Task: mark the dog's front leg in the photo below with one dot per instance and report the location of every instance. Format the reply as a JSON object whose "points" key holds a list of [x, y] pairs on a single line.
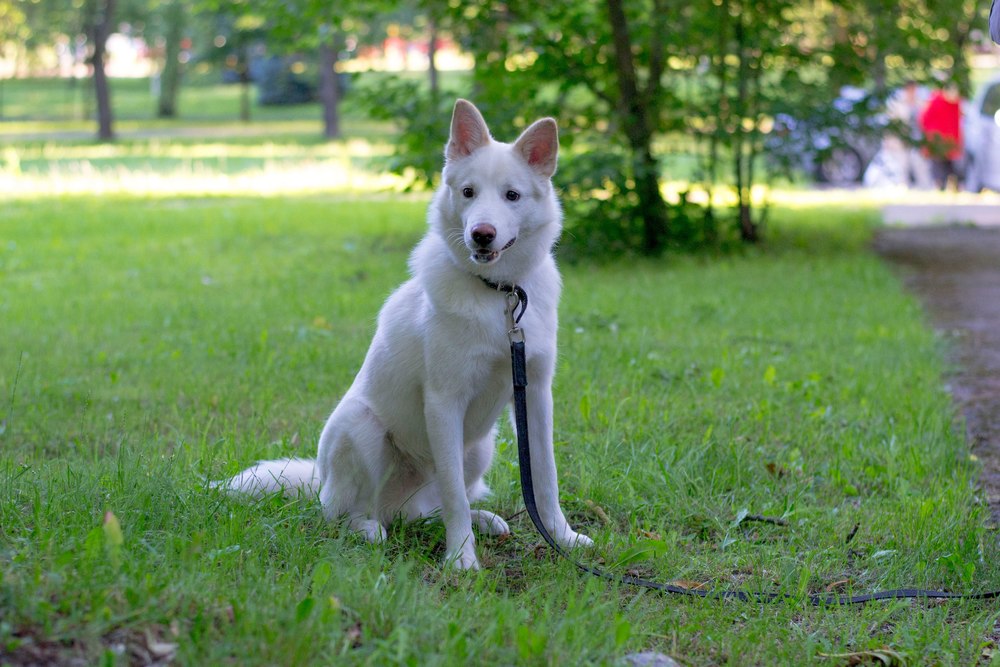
{"points": [[543, 462], [444, 429]]}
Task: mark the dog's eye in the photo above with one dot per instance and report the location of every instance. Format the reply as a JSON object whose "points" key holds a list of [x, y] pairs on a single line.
{"points": [[512, 195], [468, 193]]}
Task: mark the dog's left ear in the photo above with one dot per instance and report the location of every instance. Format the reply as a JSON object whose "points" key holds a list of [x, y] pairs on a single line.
{"points": [[539, 146]]}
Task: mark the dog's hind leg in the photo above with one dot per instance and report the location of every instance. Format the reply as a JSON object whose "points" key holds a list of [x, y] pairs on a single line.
{"points": [[367, 527], [352, 465], [426, 502], [489, 523]]}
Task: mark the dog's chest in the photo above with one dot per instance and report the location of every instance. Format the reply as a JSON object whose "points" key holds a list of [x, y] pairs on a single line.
{"points": [[479, 370], [491, 390]]}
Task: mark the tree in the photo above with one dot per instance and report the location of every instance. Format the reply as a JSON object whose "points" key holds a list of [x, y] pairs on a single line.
{"points": [[329, 90], [600, 70], [320, 26], [752, 69], [921, 39], [241, 25], [172, 19], [13, 27], [94, 20], [632, 81], [433, 22], [637, 110], [98, 18]]}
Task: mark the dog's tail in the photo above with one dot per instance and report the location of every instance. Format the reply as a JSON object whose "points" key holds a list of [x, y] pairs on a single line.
{"points": [[287, 476]]}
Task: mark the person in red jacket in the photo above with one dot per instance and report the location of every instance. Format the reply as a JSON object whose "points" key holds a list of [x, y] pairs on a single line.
{"points": [[941, 122]]}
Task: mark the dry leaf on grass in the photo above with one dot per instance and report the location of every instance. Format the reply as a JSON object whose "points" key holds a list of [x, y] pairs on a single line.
{"points": [[599, 511], [837, 584]]}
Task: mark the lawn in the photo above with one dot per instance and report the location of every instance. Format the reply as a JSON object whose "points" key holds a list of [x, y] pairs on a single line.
{"points": [[48, 148], [203, 97], [162, 333], [148, 344]]}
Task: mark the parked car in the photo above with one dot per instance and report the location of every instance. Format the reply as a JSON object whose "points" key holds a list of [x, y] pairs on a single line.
{"points": [[982, 139], [833, 146]]}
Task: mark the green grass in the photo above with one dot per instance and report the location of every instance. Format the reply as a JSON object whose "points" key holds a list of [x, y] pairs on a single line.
{"points": [[47, 146], [202, 98], [147, 345], [207, 150]]}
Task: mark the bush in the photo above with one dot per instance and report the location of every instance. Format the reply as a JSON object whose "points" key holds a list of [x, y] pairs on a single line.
{"points": [[601, 208], [278, 85]]}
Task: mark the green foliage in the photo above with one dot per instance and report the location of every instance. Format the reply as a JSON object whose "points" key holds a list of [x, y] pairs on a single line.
{"points": [[600, 211], [707, 76], [13, 22], [423, 120], [920, 39], [711, 76]]}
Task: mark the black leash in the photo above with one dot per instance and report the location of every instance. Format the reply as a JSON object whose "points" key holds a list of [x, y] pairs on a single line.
{"points": [[517, 302]]}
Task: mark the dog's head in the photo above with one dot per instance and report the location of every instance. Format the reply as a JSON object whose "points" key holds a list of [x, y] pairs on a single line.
{"points": [[497, 196]]}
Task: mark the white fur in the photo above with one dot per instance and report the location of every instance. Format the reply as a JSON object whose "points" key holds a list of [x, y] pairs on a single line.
{"points": [[414, 434], [273, 477]]}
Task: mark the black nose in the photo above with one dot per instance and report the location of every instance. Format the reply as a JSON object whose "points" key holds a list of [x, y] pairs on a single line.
{"points": [[483, 234]]}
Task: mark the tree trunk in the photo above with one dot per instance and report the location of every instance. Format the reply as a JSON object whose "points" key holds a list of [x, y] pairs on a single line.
{"points": [[170, 77], [432, 71], [635, 121], [100, 29], [243, 70], [329, 93], [748, 228], [655, 216], [742, 157]]}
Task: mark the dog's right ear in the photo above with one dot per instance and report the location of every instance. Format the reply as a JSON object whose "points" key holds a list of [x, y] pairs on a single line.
{"points": [[468, 131]]}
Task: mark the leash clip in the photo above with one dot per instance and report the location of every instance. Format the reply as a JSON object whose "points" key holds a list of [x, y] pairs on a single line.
{"points": [[517, 303], [515, 334]]}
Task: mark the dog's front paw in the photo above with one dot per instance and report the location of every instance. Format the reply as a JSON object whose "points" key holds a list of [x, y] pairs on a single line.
{"points": [[464, 559], [570, 539]]}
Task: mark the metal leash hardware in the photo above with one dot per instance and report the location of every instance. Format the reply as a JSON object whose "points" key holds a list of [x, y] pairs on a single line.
{"points": [[515, 334], [516, 296], [517, 300]]}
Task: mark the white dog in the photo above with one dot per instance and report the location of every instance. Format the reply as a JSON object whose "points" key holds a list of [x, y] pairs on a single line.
{"points": [[414, 434]]}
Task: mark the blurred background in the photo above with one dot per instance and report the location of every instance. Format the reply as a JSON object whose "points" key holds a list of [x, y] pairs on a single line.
{"points": [[680, 121]]}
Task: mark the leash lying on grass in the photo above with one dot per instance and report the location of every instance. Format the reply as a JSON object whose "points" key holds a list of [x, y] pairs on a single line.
{"points": [[517, 302]]}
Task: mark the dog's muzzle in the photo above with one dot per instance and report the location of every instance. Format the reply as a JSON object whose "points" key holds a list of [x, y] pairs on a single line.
{"points": [[487, 256]]}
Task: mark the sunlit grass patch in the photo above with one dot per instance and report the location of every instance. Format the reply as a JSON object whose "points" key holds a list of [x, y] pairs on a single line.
{"points": [[156, 167], [198, 178]]}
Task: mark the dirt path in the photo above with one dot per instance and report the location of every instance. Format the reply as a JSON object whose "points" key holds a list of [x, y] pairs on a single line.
{"points": [[956, 273]]}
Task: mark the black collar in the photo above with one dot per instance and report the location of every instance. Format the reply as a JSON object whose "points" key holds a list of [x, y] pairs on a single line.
{"points": [[510, 288]]}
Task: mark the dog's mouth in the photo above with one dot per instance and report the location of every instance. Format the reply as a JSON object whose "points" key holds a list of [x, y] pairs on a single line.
{"points": [[487, 256]]}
